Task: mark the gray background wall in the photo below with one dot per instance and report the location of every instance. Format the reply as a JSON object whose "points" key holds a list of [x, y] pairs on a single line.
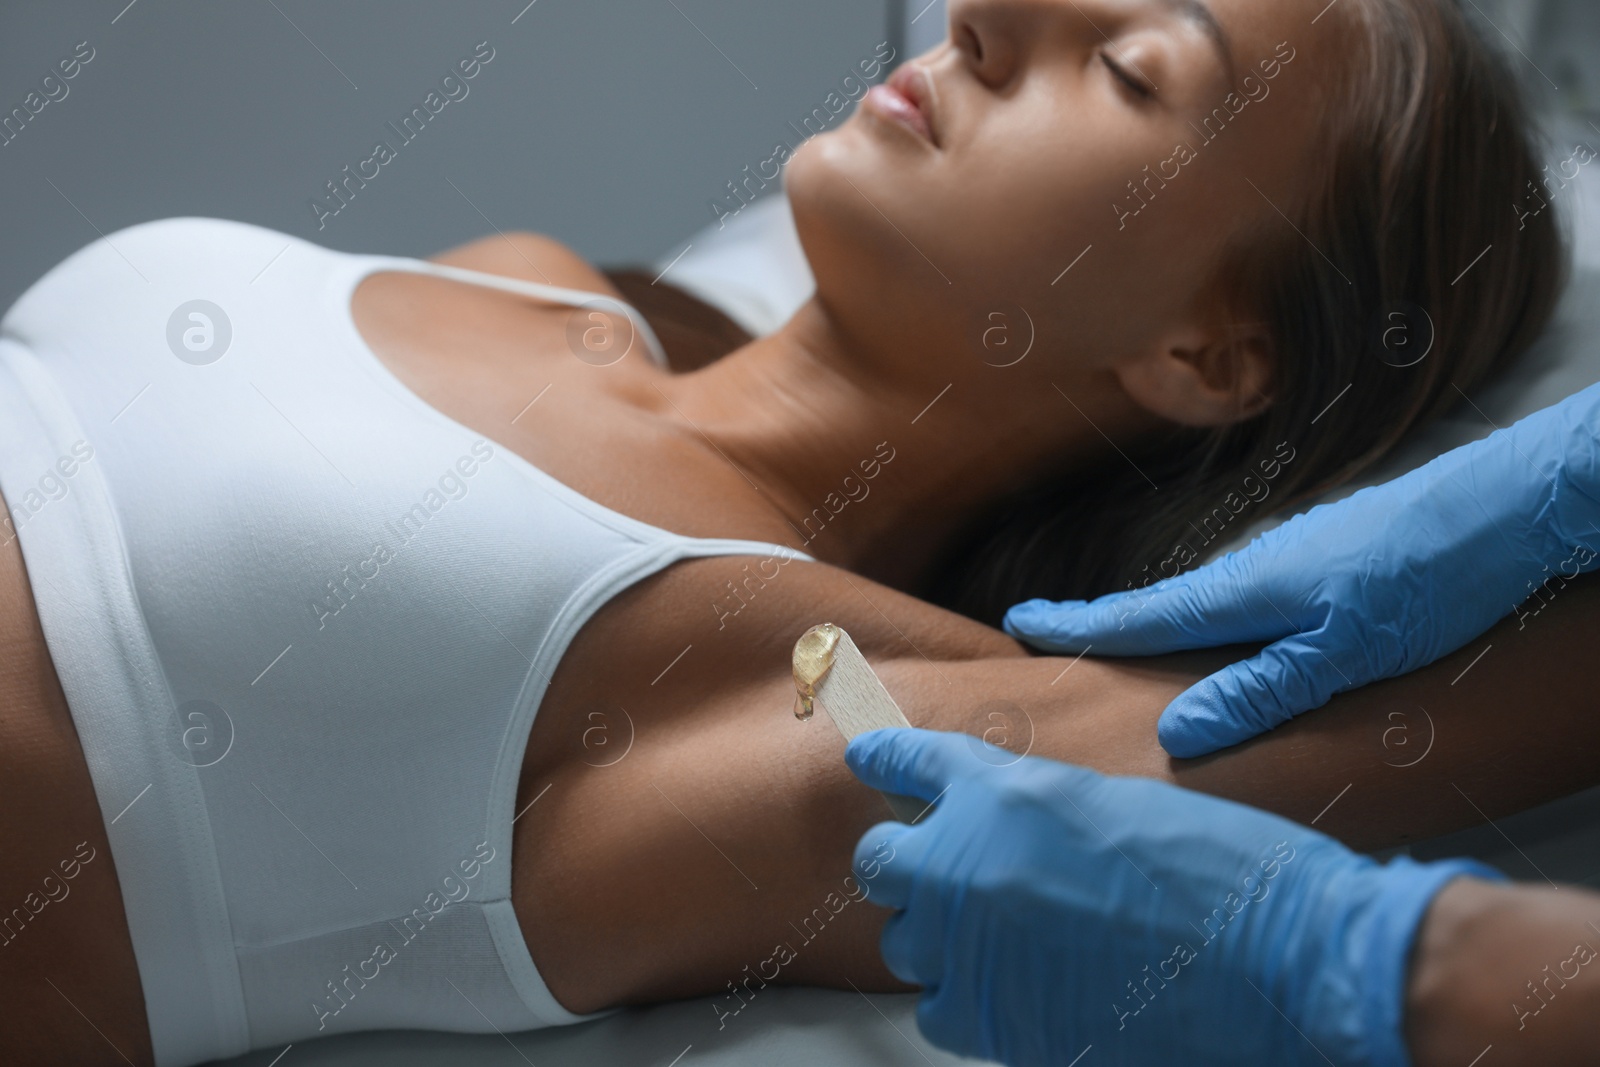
{"points": [[607, 123]]}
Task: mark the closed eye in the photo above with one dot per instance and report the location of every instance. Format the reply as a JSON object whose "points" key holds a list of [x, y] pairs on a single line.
{"points": [[1135, 85]]}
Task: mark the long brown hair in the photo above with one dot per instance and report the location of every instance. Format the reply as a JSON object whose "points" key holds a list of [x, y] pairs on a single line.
{"points": [[1424, 229]]}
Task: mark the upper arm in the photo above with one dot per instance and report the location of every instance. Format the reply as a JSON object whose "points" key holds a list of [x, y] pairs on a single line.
{"points": [[1449, 746], [531, 257], [1445, 747], [1452, 745]]}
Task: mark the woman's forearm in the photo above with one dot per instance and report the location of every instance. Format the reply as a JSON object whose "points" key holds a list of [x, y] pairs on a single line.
{"points": [[1515, 968]]}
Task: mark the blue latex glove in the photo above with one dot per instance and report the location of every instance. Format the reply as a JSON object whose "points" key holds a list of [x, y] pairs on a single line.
{"points": [[1045, 908], [1376, 585]]}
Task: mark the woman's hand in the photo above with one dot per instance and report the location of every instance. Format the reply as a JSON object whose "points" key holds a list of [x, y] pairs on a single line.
{"points": [[1046, 909], [1374, 586]]}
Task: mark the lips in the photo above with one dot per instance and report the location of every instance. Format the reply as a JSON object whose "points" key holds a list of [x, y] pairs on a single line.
{"points": [[907, 98]]}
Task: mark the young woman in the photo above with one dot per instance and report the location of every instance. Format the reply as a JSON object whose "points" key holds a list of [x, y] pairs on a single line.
{"points": [[304, 540]]}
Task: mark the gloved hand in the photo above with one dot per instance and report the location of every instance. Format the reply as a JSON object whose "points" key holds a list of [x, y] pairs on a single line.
{"points": [[1046, 908], [1376, 585]]}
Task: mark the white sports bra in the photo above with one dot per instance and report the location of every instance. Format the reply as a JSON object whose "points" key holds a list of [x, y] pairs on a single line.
{"points": [[303, 621]]}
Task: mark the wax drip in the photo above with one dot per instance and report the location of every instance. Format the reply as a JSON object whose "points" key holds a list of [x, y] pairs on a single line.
{"points": [[813, 659]]}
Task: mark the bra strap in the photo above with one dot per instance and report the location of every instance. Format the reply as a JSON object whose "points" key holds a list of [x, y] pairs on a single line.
{"points": [[554, 294]]}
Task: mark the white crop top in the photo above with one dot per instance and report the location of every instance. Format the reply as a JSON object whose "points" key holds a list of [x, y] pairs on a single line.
{"points": [[303, 621]]}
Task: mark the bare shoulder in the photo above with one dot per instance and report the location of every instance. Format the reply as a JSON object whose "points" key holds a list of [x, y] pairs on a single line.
{"points": [[532, 257]]}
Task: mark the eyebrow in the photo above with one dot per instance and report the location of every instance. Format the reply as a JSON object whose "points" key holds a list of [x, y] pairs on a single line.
{"points": [[1198, 12]]}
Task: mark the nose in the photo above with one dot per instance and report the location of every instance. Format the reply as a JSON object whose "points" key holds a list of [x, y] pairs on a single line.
{"points": [[986, 34], [999, 38]]}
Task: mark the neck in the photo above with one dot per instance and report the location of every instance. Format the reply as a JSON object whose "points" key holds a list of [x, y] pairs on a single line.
{"points": [[875, 465]]}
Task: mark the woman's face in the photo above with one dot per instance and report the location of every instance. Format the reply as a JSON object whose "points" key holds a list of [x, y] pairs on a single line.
{"points": [[1085, 160]]}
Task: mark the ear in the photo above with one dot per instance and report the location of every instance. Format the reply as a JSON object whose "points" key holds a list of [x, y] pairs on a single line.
{"points": [[1204, 376]]}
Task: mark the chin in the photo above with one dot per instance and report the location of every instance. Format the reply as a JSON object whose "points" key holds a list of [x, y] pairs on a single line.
{"points": [[817, 165], [876, 155], [839, 182]]}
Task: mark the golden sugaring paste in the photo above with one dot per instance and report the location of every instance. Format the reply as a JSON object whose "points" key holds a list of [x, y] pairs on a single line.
{"points": [[813, 659]]}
